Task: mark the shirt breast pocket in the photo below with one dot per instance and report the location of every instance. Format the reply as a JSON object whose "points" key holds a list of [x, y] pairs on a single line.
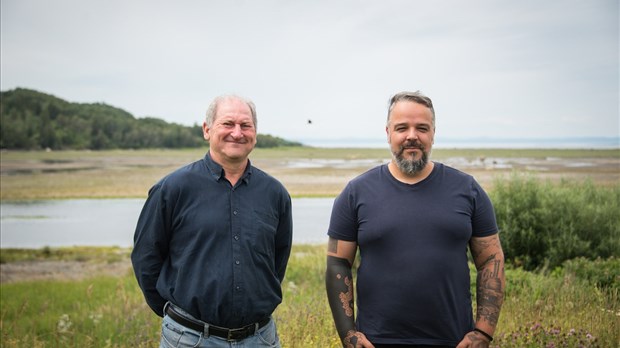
{"points": [[265, 223]]}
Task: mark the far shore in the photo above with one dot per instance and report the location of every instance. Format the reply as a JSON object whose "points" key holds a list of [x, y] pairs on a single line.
{"points": [[305, 171]]}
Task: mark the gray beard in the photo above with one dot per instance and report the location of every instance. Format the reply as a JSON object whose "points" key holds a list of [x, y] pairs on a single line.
{"points": [[410, 167]]}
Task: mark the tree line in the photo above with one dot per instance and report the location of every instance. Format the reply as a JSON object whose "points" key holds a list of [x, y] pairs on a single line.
{"points": [[31, 120]]}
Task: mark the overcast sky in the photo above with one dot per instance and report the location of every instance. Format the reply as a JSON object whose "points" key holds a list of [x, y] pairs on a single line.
{"points": [[499, 69]]}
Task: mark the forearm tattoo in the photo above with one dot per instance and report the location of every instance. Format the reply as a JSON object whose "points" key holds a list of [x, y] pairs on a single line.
{"points": [[339, 286], [347, 298], [490, 284], [490, 294]]}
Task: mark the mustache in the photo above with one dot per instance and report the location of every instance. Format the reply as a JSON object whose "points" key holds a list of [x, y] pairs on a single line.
{"points": [[412, 145]]}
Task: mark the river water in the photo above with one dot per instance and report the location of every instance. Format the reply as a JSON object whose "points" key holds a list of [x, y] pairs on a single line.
{"points": [[111, 222]]}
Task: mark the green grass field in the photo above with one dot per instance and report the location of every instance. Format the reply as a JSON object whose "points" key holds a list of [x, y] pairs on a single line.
{"points": [[541, 308]]}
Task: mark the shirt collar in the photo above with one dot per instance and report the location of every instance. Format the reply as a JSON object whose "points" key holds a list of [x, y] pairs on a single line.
{"points": [[217, 172]]}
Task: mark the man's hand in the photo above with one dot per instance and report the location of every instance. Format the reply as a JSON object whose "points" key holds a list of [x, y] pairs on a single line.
{"points": [[474, 340], [356, 339]]}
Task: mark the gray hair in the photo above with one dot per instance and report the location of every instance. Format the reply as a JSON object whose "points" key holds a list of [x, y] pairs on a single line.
{"points": [[416, 97], [212, 110]]}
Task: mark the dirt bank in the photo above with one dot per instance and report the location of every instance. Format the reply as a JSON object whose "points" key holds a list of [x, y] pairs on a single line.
{"points": [[60, 270]]}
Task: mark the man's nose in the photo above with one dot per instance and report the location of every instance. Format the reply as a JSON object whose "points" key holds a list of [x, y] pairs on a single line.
{"points": [[412, 134], [236, 132]]}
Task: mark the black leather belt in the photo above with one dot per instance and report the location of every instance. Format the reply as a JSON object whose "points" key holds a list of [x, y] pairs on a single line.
{"points": [[209, 330]]}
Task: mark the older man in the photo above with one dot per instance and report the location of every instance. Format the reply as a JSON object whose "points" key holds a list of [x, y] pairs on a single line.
{"points": [[213, 240]]}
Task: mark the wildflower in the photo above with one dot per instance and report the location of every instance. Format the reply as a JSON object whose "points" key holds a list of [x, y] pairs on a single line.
{"points": [[95, 317], [64, 324]]}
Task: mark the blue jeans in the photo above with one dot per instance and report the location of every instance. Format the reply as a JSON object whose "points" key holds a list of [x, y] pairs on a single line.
{"points": [[175, 335]]}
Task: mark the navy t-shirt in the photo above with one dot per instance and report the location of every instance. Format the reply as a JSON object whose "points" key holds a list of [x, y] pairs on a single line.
{"points": [[413, 283]]}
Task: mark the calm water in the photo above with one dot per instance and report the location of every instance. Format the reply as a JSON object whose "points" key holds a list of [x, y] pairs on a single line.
{"points": [[111, 222]]}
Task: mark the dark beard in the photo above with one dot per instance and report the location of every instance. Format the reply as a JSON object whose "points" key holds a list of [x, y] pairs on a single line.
{"points": [[410, 167]]}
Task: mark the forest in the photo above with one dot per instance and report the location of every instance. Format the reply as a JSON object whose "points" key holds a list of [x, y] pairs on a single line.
{"points": [[31, 120]]}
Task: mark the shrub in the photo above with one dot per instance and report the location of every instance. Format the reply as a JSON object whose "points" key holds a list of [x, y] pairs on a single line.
{"points": [[545, 224], [599, 272]]}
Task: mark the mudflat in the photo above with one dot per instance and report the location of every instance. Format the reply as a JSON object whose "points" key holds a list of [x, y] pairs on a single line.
{"points": [[305, 171]]}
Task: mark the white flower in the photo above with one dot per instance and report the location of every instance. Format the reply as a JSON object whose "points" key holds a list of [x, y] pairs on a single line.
{"points": [[64, 324]]}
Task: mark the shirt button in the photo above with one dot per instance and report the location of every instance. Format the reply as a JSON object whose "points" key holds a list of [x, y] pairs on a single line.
{"points": [[237, 288], [236, 237], [237, 262], [235, 212]]}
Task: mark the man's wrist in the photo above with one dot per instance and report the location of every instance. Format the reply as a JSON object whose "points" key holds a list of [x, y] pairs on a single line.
{"points": [[483, 333]]}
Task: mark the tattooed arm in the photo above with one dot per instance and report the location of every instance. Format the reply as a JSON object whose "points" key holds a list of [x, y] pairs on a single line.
{"points": [[490, 284], [339, 286]]}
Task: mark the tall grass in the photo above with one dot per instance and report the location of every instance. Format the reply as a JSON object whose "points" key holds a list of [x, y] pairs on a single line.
{"points": [[542, 309], [100, 312], [557, 309]]}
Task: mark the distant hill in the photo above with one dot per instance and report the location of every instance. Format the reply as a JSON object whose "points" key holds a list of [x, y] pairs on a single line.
{"points": [[31, 120]]}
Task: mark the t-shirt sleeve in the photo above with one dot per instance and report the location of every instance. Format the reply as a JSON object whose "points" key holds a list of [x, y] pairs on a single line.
{"points": [[484, 223], [343, 222]]}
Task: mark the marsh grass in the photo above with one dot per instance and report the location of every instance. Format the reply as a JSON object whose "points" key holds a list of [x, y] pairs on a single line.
{"points": [[82, 253], [542, 309]]}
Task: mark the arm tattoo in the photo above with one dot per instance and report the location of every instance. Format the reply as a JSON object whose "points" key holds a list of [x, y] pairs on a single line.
{"points": [[332, 245], [489, 259], [476, 341], [347, 298], [339, 286], [350, 341], [478, 246], [490, 289]]}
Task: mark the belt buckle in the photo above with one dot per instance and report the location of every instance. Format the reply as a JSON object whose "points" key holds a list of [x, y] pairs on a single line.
{"points": [[235, 334]]}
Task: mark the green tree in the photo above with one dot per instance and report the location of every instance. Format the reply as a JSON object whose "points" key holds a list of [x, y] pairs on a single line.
{"points": [[33, 120]]}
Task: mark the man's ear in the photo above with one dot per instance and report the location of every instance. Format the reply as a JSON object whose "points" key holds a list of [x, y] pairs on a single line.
{"points": [[205, 131]]}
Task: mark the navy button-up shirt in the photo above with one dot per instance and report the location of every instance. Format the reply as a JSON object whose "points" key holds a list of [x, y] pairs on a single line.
{"points": [[217, 251]]}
